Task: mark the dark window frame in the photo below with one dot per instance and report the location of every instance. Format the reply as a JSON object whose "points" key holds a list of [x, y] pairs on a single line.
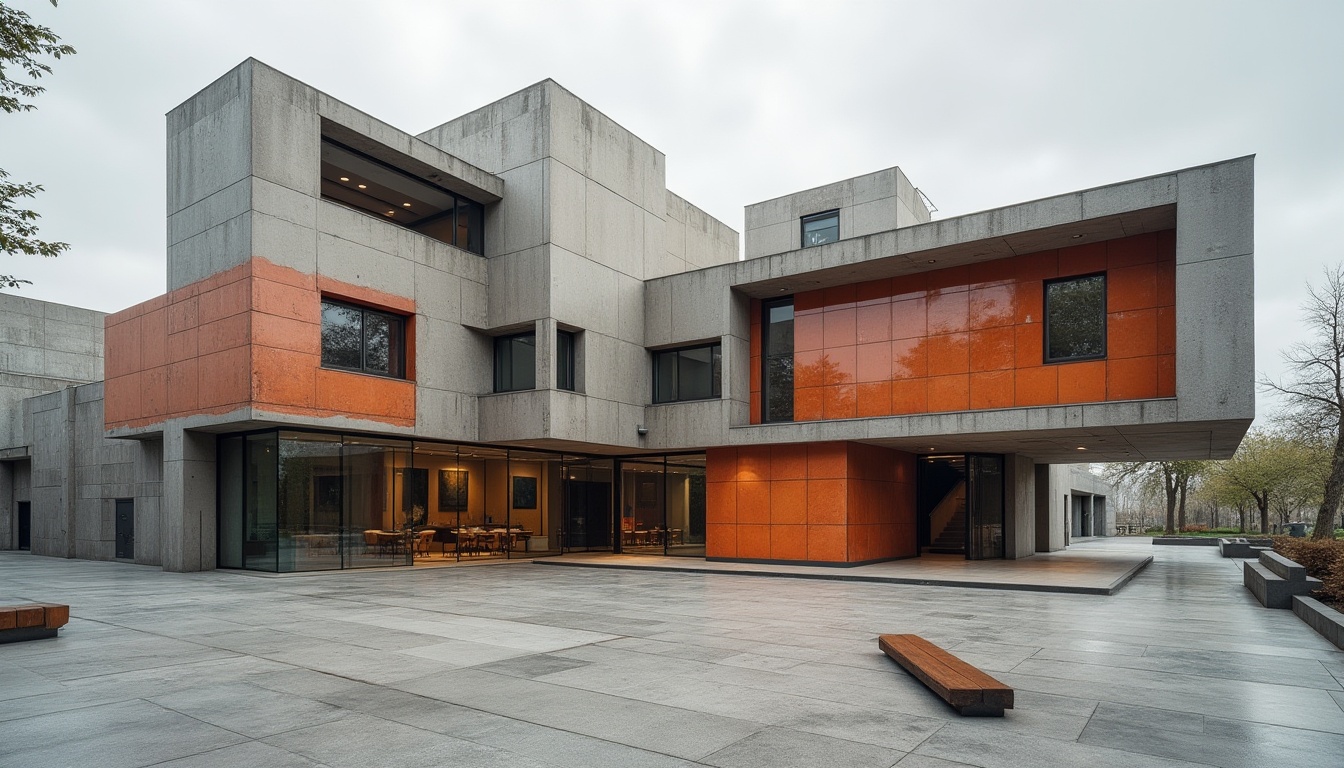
{"points": [[1045, 319], [766, 357], [565, 359], [813, 217], [500, 386], [716, 385], [400, 340]]}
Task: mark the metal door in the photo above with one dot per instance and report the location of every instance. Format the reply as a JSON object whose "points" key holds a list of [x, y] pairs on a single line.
{"points": [[25, 525], [125, 545]]}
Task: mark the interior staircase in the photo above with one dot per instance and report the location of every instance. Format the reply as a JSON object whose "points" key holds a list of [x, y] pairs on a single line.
{"points": [[947, 524]]}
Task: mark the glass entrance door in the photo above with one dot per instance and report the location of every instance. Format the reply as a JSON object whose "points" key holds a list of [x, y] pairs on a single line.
{"points": [[985, 510], [587, 519]]}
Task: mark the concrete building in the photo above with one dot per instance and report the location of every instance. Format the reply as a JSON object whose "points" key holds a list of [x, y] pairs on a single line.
{"points": [[506, 337]]}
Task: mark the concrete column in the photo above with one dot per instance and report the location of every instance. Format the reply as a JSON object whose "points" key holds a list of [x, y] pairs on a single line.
{"points": [[187, 536], [1019, 506], [546, 330], [9, 521], [148, 478]]}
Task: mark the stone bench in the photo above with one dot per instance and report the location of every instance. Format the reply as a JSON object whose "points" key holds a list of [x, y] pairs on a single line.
{"points": [[33, 621], [1243, 548], [968, 690], [1275, 579]]}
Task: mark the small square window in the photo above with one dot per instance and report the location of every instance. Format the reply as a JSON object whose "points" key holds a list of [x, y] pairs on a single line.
{"points": [[1075, 319], [821, 228]]}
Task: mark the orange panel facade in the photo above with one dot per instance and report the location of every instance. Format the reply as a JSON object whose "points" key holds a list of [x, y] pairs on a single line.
{"points": [[972, 338], [247, 337], [833, 502]]}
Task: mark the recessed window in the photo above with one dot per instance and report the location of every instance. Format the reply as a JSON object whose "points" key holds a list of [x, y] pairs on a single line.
{"points": [[355, 179], [564, 360], [364, 340], [1075, 319], [777, 360], [821, 228], [516, 362], [689, 373]]}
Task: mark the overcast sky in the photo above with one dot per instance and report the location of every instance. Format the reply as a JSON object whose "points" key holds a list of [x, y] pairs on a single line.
{"points": [[982, 104]]}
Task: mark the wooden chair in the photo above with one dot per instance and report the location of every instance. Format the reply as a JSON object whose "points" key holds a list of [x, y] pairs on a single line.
{"points": [[422, 540]]}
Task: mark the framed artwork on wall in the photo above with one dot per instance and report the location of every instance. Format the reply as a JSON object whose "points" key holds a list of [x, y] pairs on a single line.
{"points": [[453, 490], [524, 492]]}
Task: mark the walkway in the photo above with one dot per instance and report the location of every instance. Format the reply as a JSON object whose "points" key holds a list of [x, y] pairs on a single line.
{"points": [[1088, 568], [526, 665]]}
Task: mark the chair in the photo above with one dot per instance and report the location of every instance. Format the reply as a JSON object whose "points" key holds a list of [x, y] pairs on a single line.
{"points": [[370, 541], [422, 540]]}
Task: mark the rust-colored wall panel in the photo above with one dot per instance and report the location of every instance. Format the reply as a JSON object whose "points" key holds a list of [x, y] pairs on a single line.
{"points": [[820, 502], [249, 336], [933, 337]]}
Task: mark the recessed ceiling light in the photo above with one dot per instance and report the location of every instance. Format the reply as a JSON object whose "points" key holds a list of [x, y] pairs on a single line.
{"points": [[933, 261], [1081, 448], [345, 178], [405, 205], [1075, 237], [389, 213], [363, 186]]}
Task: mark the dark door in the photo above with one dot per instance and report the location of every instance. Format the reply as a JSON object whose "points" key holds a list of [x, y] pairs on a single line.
{"points": [[125, 547], [587, 514], [985, 510], [25, 525]]}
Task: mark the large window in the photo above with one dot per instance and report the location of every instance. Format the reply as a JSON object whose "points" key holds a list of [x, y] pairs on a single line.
{"points": [[355, 179], [777, 361], [516, 362], [821, 228], [1075, 319], [689, 373], [564, 360], [363, 340]]}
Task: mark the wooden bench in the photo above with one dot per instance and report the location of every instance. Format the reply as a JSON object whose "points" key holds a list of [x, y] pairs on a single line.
{"points": [[33, 621], [971, 692]]}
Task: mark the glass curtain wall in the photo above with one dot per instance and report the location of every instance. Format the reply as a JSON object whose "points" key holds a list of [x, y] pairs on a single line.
{"points": [[295, 500], [986, 507]]}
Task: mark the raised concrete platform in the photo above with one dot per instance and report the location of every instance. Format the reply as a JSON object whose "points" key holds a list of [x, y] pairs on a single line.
{"points": [[1084, 569]]}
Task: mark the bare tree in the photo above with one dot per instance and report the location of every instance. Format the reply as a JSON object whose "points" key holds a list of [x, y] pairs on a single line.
{"points": [[1173, 477], [1314, 388]]}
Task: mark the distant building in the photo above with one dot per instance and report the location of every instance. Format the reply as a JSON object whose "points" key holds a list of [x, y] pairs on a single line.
{"points": [[506, 337]]}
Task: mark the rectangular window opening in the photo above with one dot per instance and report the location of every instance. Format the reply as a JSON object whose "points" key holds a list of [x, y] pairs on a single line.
{"points": [[1075, 319], [516, 362], [821, 228], [777, 360], [564, 360], [373, 186], [363, 340], [688, 373]]}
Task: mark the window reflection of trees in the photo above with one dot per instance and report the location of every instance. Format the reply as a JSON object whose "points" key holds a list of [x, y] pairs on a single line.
{"points": [[1076, 318]]}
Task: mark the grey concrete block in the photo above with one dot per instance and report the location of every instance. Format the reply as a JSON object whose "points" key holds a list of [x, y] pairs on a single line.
{"points": [[1272, 590]]}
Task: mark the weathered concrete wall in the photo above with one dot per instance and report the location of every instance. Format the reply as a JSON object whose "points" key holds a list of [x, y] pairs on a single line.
{"points": [[77, 475], [43, 347], [868, 204]]}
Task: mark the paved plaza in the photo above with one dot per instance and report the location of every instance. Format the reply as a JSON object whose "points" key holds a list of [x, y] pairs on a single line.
{"points": [[522, 665]]}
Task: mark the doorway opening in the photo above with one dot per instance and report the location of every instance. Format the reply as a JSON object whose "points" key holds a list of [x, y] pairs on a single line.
{"points": [[25, 525], [960, 505]]}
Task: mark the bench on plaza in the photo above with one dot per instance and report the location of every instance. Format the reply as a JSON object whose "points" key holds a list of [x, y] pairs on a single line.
{"points": [[968, 690], [32, 621], [1275, 579]]}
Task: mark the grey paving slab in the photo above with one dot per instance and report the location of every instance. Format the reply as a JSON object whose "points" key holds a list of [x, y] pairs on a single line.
{"points": [[777, 748], [528, 665], [122, 734]]}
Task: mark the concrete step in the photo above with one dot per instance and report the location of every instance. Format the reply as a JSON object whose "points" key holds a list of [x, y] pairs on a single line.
{"points": [[1283, 567], [1272, 590]]}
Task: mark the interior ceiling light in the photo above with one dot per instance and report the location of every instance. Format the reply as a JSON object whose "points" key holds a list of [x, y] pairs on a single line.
{"points": [[933, 261], [405, 205], [363, 186], [1081, 448], [1075, 237], [389, 213], [345, 178]]}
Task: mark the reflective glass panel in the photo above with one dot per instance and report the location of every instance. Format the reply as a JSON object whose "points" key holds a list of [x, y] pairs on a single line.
{"points": [[1075, 318]]}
